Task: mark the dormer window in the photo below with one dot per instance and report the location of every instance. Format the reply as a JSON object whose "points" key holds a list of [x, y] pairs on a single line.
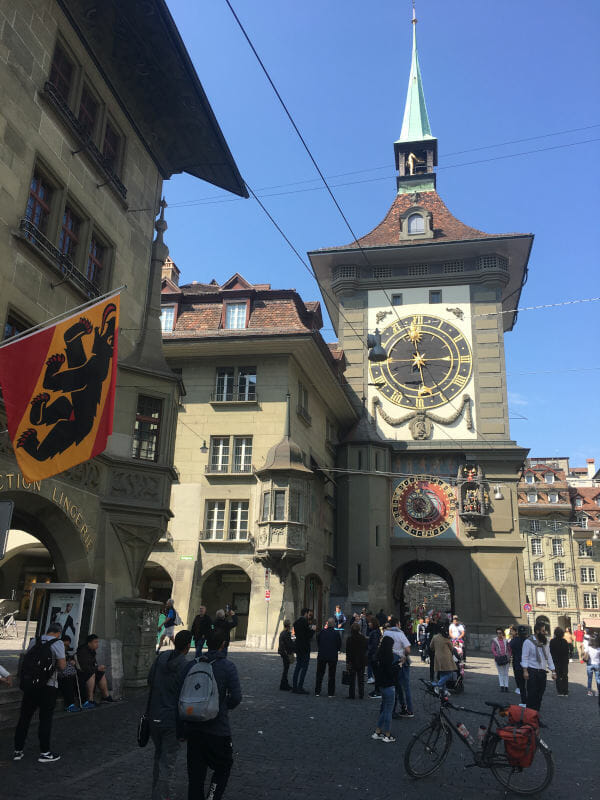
{"points": [[549, 477], [578, 502], [236, 315], [167, 318], [529, 478], [415, 224]]}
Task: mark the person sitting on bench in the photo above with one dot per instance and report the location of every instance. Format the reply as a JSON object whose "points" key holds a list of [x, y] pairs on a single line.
{"points": [[91, 674]]}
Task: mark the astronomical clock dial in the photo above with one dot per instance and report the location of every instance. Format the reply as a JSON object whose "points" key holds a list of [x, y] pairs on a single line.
{"points": [[429, 362], [423, 507]]}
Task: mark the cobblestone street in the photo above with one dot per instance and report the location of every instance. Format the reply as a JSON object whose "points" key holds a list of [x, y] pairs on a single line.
{"points": [[294, 747]]}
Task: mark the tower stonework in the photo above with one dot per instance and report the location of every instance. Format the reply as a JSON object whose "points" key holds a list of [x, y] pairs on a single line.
{"points": [[431, 476]]}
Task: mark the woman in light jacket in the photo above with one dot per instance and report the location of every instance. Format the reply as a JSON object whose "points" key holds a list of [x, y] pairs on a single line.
{"points": [[501, 652]]}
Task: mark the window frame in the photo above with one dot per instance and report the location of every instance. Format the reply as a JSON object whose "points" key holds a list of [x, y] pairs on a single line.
{"points": [[211, 529], [553, 497], [530, 495], [139, 417], [558, 547], [243, 464], [560, 572], [237, 302], [562, 598], [529, 478], [538, 571], [398, 299], [219, 457], [590, 600], [239, 520], [534, 548], [551, 476], [433, 293], [73, 78], [171, 307], [19, 319], [422, 228], [539, 592], [535, 526]]}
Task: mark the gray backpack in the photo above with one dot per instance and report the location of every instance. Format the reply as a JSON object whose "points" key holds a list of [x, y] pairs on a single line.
{"points": [[199, 696]]}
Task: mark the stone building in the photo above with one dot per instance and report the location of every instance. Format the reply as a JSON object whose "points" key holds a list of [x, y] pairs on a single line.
{"points": [[83, 155], [560, 523], [431, 473], [254, 501]]}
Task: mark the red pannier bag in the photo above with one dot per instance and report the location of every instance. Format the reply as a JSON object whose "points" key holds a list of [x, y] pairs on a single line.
{"points": [[520, 735]]}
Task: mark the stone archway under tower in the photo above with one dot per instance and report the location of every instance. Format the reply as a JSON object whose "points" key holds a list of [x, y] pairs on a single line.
{"points": [[228, 585], [411, 569]]}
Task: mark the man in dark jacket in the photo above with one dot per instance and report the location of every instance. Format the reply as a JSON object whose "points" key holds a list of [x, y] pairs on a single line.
{"points": [[91, 674], [165, 680], [225, 622], [329, 644], [304, 631], [209, 743], [201, 627], [516, 648]]}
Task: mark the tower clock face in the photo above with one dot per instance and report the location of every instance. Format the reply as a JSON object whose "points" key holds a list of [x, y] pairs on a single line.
{"points": [[429, 362], [423, 507]]}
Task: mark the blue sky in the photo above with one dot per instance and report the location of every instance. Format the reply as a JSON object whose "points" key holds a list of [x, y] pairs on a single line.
{"points": [[493, 72]]}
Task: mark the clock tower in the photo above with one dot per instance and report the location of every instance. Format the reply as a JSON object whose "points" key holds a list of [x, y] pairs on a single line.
{"points": [[420, 306]]}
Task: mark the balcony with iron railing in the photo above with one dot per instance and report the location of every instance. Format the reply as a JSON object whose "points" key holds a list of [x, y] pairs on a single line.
{"points": [[87, 145], [233, 397], [54, 258]]}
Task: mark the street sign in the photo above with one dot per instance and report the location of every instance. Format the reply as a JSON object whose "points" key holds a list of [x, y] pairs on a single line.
{"points": [[267, 594], [6, 512], [526, 606]]}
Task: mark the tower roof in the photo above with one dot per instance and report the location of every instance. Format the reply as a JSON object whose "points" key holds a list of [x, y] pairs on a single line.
{"points": [[415, 124]]}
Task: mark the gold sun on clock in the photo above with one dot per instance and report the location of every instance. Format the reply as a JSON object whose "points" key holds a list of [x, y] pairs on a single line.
{"points": [[429, 362]]}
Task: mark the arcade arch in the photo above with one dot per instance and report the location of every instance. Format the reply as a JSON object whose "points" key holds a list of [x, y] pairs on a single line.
{"points": [[227, 585], [156, 583], [417, 580]]}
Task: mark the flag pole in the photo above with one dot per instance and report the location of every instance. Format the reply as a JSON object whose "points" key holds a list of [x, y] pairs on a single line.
{"points": [[64, 315]]}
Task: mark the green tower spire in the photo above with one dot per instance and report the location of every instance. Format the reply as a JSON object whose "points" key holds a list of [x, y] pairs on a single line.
{"points": [[415, 125], [416, 149]]}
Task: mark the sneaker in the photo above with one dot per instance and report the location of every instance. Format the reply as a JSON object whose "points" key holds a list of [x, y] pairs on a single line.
{"points": [[108, 699], [18, 755], [517, 691], [406, 714], [46, 758], [371, 680], [374, 696], [388, 739], [377, 735], [397, 715], [89, 704], [317, 694], [590, 693], [73, 709]]}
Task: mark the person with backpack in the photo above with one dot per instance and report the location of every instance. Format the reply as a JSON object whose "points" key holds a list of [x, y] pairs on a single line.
{"points": [[168, 626], [203, 722], [41, 663], [165, 680], [536, 660]]}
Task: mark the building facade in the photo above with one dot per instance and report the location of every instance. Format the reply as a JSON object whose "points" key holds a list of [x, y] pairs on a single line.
{"points": [[255, 499], [431, 471], [560, 523], [82, 162]]}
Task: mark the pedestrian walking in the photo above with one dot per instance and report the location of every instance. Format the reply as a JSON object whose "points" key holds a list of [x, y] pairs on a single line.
{"points": [[401, 650], [201, 627], [569, 640], [421, 636], [592, 659], [372, 645], [304, 630], [441, 655], [516, 648], [168, 626], [209, 743], [42, 662], [559, 650], [385, 675], [579, 636], [286, 651], [329, 644], [356, 661], [502, 653], [432, 629], [536, 661], [165, 680]]}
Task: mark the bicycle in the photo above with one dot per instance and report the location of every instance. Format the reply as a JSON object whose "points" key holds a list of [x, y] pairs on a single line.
{"points": [[429, 747]]}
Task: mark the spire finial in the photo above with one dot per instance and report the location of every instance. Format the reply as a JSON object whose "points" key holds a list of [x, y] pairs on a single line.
{"points": [[415, 124], [414, 19]]}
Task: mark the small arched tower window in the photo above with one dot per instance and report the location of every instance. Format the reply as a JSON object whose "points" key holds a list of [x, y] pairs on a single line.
{"points": [[416, 224]]}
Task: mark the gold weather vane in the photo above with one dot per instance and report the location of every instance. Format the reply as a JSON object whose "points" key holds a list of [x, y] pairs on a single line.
{"points": [[414, 19]]}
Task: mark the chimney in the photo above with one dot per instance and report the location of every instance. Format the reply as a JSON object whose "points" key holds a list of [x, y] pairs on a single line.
{"points": [[170, 271], [591, 467]]}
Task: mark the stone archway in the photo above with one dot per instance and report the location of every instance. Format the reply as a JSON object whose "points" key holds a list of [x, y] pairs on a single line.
{"points": [[228, 585], [427, 568], [38, 516], [156, 583]]}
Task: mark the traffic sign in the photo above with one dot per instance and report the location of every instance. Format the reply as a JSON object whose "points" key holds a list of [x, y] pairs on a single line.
{"points": [[526, 606], [267, 594]]}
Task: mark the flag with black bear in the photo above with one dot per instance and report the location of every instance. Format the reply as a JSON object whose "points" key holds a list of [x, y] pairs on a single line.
{"points": [[58, 385]]}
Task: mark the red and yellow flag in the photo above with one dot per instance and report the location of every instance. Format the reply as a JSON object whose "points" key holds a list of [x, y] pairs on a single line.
{"points": [[58, 385]]}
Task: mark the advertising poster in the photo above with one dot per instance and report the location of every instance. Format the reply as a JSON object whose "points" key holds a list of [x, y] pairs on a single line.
{"points": [[64, 608]]}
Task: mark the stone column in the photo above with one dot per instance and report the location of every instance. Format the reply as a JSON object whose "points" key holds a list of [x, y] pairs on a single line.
{"points": [[137, 622]]}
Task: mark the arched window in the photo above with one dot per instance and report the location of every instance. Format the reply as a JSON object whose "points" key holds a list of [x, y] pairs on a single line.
{"points": [[416, 224]]}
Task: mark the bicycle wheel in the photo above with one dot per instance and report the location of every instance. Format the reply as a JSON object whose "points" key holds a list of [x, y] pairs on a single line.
{"points": [[427, 749], [522, 780]]}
